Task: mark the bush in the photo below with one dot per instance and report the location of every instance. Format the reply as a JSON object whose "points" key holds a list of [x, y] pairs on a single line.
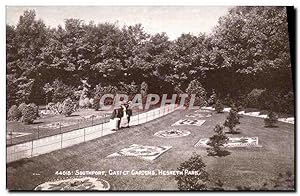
{"points": [[219, 107], [68, 107], [271, 119], [14, 113], [36, 108], [192, 182], [216, 142], [212, 99], [87, 103], [232, 120], [195, 87], [59, 91], [252, 99], [22, 106], [97, 103], [28, 114], [92, 102]]}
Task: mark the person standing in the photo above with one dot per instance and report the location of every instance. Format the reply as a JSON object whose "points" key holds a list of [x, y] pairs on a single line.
{"points": [[116, 116]]}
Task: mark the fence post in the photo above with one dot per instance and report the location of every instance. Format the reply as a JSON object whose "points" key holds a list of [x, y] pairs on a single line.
{"points": [[138, 115], [102, 125], [146, 116], [11, 137], [84, 134], [38, 131], [31, 147], [60, 127], [92, 120]]}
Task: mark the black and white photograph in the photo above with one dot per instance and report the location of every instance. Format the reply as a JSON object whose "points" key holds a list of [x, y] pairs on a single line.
{"points": [[150, 98]]}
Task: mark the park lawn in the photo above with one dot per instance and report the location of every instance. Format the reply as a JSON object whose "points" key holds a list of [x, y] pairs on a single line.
{"points": [[77, 120], [39, 128], [244, 166]]}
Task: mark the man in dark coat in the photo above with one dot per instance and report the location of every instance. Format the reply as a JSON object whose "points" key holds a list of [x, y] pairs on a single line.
{"points": [[117, 113]]}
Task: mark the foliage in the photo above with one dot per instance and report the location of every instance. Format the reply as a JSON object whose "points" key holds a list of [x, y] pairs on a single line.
{"points": [[59, 91], [192, 182], [271, 119], [248, 49], [55, 108], [28, 114], [22, 106], [14, 113], [232, 120], [68, 107], [195, 87], [216, 142], [35, 108], [219, 107], [213, 98], [252, 99], [97, 102]]}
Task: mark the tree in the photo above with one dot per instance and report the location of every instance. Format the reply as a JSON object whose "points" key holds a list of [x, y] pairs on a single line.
{"points": [[28, 114], [22, 106], [97, 102], [219, 107], [213, 98], [188, 182], [68, 107], [217, 142], [195, 87], [271, 119], [14, 113], [232, 120]]}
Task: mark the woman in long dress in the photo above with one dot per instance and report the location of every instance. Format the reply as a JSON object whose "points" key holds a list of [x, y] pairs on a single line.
{"points": [[124, 120]]}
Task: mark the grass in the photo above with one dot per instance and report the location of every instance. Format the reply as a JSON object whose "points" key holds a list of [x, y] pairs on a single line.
{"points": [[38, 129], [243, 167]]}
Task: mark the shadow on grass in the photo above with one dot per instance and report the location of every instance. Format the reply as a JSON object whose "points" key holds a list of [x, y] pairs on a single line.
{"points": [[19, 163], [232, 132], [221, 153], [73, 115], [271, 126], [35, 123]]}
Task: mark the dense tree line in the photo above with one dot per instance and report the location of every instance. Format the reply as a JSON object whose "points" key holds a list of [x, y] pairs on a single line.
{"points": [[248, 49]]}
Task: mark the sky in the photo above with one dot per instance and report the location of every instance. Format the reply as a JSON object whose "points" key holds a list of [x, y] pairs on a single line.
{"points": [[156, 19]]}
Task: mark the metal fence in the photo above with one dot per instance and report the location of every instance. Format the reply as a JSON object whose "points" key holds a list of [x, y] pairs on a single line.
{"points": [[61, 140]]}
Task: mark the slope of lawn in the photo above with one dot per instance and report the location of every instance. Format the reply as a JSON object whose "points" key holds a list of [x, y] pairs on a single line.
{"points": [[244, 166]]}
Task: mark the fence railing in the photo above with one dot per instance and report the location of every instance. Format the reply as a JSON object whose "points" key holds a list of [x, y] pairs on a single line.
{"points": [[62, 140]]}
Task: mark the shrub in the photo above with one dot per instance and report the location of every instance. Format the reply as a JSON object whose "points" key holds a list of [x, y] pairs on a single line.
{"points": [[36, 108], [288, 103], [232, 120], [92, 101], [252, 99], [219, 107], [28, 114], [59, 91], [68, 107], [14, 113], [216, 142], [195, 87], [271, 119], [130, 89], [192, 182], [87, 103], [22, 106], [97, 103], [213, 98]]}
